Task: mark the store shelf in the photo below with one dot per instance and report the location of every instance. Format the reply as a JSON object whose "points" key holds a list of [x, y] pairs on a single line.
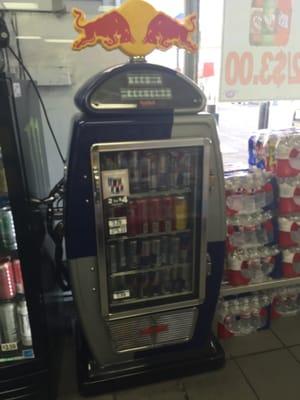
{"points": [[151, 269], [272, 284], [147, 235], [159, 193]]}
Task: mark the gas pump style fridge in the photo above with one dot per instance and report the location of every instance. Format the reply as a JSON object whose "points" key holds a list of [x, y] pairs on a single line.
{"points": [[144, 226]]}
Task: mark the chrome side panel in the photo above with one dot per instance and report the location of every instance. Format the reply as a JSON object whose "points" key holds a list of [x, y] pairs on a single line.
{"points": [[84, 275], [204, 126]]}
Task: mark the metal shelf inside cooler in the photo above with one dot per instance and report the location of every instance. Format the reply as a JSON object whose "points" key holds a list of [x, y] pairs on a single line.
{"points": [[149, 298], [147, 235], [271, 284], [160, 193], [151, 269]]}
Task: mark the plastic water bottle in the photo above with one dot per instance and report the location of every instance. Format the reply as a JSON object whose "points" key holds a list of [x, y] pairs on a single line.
{"points": [[246, 317], [257, 322], [236, 320]]}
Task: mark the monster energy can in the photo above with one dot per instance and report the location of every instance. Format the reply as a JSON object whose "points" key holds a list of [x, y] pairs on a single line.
{"points": [[7, 229]]}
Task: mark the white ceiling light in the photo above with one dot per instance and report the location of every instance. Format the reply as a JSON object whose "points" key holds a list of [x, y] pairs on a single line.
{"points": [[10, 5], [28, 37], [36, 5], [59, 40]]}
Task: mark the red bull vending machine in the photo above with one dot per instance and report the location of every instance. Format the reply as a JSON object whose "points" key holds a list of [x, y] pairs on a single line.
{"points": [[145, 227]]}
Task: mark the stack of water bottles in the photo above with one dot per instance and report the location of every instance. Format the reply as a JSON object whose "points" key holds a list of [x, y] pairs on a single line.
{"points": [[285, 302], [244, 315], [252, 254], [288, 177]]}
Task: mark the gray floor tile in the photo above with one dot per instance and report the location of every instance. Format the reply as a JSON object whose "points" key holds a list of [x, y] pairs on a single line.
{"points": [[225, 384], [255, 343], [296, 352], [159, 391], [273, 375], [287, 329]]}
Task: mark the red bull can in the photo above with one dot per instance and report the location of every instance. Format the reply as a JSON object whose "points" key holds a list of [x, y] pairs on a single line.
{"points": [[18, 276], [7, 280]]}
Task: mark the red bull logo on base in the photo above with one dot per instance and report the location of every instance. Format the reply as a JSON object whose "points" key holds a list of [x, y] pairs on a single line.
{"points": [[136, 28]]}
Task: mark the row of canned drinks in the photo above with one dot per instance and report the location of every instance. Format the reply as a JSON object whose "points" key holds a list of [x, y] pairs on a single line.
{"points": [[248, 192], [253, 266], [251, 231], [151, 284], [125, 255], [247, 314], [276, 151], [152, 215], [155, 170], [15, 331]]}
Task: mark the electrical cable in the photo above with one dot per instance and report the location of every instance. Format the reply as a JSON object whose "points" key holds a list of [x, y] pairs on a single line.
{"points": [[41, 101], [14, 24]]}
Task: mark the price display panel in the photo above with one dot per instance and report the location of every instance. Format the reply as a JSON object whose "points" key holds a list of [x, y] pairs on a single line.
{"points": [[262, 61]]}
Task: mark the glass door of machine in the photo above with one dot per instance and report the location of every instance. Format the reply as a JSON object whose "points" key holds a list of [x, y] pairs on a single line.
{"points": [[15, 331], [151, 200]]}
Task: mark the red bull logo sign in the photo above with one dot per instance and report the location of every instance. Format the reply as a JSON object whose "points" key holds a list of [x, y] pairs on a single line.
{"points": [[136, 28]]}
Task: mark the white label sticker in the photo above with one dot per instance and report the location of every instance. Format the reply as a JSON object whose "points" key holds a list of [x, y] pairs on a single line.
{"points": [[17, 89], [124, 294], [115, 183], [117, 226], [9, 346]]}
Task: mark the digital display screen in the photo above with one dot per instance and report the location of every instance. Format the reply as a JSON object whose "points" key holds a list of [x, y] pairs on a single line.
{"points": [[144, 80], [148, 93]]}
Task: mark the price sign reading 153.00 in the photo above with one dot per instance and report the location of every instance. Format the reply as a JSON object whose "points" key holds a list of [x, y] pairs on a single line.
{"points": [[275, 68]]}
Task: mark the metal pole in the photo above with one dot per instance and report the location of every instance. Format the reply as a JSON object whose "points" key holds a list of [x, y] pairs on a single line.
{"points": [[191, 60], [263, 121]]}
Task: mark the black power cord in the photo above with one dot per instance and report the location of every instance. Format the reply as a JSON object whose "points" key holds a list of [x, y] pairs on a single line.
{"points": [[41, 101]]}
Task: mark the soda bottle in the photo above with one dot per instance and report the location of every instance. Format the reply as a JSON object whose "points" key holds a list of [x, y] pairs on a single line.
{"points": [[256, 22], [283, 22], [269, 22]]}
